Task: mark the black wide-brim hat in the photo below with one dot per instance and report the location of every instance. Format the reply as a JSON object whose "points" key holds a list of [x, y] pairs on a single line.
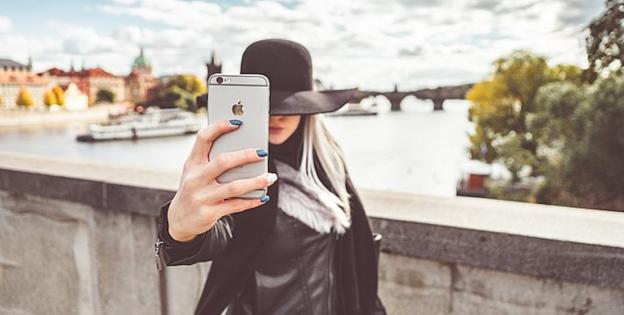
{"points": [[288, 66]]}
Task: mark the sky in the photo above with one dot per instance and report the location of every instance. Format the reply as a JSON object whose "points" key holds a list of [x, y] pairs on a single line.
{"points": [[370, 44]]}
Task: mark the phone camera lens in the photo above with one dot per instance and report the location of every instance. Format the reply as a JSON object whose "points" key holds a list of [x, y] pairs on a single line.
{"points": [[219, 80]]}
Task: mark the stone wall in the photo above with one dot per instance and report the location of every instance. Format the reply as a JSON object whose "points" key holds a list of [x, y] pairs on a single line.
{"points": [[59, 257], [83, 244], [416, 286]]}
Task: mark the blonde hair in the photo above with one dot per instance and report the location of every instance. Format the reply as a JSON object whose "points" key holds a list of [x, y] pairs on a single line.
{"points": [[318, 139]]}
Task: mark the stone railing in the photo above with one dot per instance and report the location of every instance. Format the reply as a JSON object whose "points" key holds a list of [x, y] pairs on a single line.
{"points": [[77, 238]]}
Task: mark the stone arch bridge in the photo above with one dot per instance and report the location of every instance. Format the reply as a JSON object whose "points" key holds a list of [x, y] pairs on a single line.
{"points": [[436, 95]]}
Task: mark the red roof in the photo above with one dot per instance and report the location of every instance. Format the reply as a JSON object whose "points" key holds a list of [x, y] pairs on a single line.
{"points": [[97, 72], [93, 72], [54, 71]]}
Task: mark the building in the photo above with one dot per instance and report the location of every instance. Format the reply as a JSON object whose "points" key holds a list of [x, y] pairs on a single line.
{"points": [[75, 99], [89, 81], [136, 87], [140, 82], [13, 77]]}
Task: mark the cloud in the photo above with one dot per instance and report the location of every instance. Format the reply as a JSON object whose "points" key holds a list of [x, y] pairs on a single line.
{"points": [[411, 52], [578, 13], [483, 4], [125, 2], [367, 43], [349, 41], [5, 24]]}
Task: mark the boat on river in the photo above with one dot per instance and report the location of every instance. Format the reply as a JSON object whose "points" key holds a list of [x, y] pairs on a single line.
{"points": [[154, 122]]}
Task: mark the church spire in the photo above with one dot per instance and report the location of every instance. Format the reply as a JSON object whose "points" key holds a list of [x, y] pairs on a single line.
{"points": [[141, 63], [214, 66]]}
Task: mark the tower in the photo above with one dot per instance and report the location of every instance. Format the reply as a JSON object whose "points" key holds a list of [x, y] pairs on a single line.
{"points": [[142, 64], [213, 67]]}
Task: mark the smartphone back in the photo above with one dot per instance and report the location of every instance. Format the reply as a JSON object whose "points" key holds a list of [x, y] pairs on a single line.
{"points": [[244, 97]]}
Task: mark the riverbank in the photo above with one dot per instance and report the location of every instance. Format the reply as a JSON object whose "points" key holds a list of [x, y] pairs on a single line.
{"points": [[10, 118]]}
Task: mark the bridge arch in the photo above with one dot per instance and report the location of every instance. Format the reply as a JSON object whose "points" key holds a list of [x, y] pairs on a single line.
{"points": [[412, 103], [436, 95], [383, 104], [408, 101]]}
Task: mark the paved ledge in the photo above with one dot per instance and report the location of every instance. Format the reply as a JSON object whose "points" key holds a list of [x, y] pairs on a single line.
{"points": [[598, 227], [578, 245], [164, 179], [99, 185]]}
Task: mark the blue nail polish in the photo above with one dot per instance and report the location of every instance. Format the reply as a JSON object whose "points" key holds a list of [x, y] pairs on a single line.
{"points": [[236, 122], [265, 198], [262, 152]]}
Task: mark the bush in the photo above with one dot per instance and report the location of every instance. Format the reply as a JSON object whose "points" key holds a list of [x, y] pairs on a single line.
{"points": [[105, 96], [59, 94], [583, 140], [49, 98], [24, 98], [179, 91]]}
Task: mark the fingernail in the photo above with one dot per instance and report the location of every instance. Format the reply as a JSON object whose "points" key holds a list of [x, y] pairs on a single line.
{"points": [[271, 177], [262, 152], [236, 122], [265, 198]]}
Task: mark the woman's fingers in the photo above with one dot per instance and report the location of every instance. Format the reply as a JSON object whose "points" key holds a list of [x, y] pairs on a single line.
{"points": [[228, 160], [205, 138], [242, 186]]}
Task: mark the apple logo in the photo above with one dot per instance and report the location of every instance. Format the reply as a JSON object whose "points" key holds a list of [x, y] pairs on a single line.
{"points": [[237, 109]]}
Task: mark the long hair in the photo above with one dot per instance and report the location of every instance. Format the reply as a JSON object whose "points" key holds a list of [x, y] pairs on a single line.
{"points": [[318, 139]]}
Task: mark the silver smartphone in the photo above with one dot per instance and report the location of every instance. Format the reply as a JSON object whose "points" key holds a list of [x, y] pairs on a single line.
{"points": [[244, 97]]}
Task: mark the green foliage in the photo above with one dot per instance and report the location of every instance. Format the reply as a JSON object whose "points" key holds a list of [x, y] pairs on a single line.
{"points": [[178, 91], [188, 83], [502, 105], [581, 134], [562, 140], [104, 96], [552, 119], [605, 42], [24, 98]]}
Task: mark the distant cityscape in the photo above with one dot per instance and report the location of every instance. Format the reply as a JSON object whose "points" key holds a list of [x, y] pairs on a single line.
{"points": [[80, 88]]}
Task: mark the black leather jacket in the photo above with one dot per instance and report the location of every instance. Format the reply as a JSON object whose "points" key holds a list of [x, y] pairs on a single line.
{"points": [[295, 274]]}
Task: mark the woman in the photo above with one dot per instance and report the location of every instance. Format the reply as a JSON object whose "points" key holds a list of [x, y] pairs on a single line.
{"points": [[306, 247]]}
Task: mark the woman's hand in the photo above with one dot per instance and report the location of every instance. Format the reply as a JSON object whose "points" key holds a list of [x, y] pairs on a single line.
{"points": [[200, 200]]}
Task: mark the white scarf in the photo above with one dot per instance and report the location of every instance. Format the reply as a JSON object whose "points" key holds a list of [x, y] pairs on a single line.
{"points": [[308, 204]]}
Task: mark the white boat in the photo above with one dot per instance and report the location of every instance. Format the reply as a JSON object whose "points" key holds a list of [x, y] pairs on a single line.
{"points": [[155, 122], [353, 109]]}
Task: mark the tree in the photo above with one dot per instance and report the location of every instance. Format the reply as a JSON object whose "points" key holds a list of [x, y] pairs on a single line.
{"points": [[59, 94], [105, 96], [580, 131], [49, 98], [24, 98], [502, 104], [605, 42], [178, 91], [189, 83]]}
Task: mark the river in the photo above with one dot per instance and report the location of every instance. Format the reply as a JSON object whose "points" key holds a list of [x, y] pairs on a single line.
{"points": [[415, 150]]}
